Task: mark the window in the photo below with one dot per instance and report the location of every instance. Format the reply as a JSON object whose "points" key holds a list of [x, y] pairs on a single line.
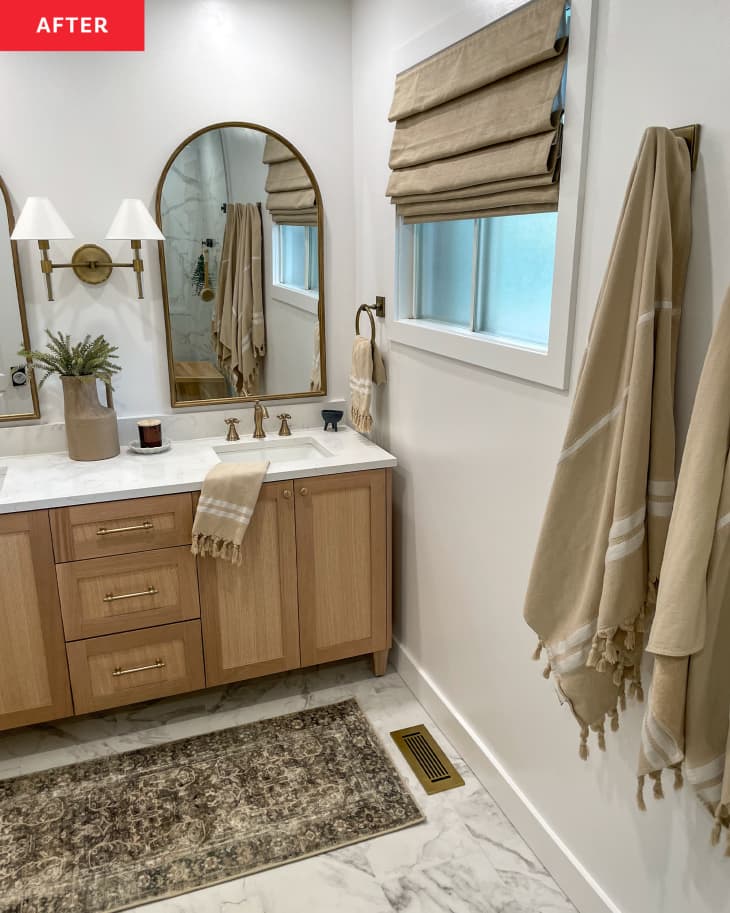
{"points": [[298, 259], [492, 276], [486, 266]]}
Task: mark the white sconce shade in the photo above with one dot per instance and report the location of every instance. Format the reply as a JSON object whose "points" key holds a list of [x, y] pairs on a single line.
{"points": [[133, 222], [39, 219]]}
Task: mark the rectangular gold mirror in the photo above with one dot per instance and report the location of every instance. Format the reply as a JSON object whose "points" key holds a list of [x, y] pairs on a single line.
{"points": [[242, 268]]}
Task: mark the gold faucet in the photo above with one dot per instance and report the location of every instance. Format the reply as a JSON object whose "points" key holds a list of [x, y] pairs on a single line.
{"points": [[232, 433], [284, 430], [259, 414]]}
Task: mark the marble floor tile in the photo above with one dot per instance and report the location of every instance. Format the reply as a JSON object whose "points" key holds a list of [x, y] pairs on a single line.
{"points": [[465, 858]]}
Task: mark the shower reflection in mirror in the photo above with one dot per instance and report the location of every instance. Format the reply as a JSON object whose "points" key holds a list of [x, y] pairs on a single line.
{"points": [[241, 266]]}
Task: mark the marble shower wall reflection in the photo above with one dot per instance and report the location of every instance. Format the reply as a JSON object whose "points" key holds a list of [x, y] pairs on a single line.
{"points": [[194, 190]]}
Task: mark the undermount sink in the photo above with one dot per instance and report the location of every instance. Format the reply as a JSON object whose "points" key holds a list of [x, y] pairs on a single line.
{"points": [[284, 450]]}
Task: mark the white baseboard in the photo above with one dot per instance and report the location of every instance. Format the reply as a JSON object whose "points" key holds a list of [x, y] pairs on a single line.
{"points": [[558, 859]]}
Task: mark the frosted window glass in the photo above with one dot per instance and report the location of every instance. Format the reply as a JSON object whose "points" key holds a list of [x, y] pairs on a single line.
{"points": [[291, 255], [313, 259], [443, 286], [516, 261]]}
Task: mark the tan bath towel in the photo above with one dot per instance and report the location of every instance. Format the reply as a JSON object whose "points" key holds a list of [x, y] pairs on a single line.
{"points": [[239, 331], [367, 369], [689, 699], [226, 505], [595, 573]]}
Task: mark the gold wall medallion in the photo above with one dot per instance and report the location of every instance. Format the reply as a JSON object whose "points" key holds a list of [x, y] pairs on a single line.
{"points": [[91, 264]]}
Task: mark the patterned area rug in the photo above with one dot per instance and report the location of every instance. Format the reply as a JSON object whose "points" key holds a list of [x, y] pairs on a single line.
{"points": [[110, 834]]}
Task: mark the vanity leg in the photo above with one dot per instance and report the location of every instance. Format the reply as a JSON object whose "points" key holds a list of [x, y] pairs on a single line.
{"points": [[380, 662]]}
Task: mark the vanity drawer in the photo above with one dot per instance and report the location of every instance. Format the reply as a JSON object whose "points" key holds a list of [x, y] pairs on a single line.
{"points": [[121, 527], [126, 592], [137, 666]]}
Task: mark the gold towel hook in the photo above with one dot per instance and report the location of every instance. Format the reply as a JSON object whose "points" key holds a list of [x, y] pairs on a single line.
{"points": [[691, 135]]}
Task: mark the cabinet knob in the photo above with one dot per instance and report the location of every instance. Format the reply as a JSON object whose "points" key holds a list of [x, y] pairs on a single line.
{"points": [[286, 494], [304, 491]]}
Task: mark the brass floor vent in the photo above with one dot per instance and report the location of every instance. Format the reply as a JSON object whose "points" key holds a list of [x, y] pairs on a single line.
{"points": [[428, 762]]}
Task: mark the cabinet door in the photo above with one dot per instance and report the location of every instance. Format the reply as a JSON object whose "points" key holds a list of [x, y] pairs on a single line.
{"points": [[33, 671], [249, 611], [342, 542]]}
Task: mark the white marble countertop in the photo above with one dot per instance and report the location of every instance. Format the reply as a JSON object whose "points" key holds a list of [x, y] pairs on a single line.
{"points": [[43, 480]]}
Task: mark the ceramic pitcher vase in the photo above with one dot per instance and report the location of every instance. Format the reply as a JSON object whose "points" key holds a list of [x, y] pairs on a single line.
{"points": [[91, 428]]}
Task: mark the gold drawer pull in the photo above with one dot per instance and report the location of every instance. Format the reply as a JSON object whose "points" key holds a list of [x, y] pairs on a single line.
{"points": [[157, 664], [150, 591], [103, 531], [304, 491]]}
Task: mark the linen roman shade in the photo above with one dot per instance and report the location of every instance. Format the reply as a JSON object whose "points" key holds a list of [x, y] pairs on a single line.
{"points": [[290, 197], [478, 125]]}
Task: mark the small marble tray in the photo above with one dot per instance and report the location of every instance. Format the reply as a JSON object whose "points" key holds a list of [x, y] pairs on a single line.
{"points": [[148, 451]]}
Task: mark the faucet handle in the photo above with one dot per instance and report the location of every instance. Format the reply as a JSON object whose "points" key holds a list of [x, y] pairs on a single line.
{"points": [[285, 430], [232, 434]]}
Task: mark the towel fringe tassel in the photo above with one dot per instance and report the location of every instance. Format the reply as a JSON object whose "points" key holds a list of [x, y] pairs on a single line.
{"points": [[716, 833], [611, 651], [720, 816], [613, 717], [617, 651], [583, 749], [640, 793], [362, 421], [210, 546], [538, 650], [678, 778], [656, 776]]}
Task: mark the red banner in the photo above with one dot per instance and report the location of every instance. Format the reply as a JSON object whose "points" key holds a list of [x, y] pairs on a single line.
{"points": [[72, 25]]}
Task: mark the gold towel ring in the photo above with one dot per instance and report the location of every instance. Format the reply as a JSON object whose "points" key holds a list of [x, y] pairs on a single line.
{"points": [[368, 311]]}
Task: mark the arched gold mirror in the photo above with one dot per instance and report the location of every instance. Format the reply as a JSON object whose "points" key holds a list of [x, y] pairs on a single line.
{"points": [[242, 268], [18, 391]]}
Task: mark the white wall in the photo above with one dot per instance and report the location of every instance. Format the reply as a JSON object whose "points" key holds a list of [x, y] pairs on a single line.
{"points": [[477, 450], [88, 129]]}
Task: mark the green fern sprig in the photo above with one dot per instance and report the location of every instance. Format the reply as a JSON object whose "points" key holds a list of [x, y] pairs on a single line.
{"points": [[88, 358]]}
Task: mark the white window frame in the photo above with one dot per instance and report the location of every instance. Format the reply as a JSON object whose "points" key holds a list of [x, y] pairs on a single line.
{"points": [[276, 262], [548, 366]]}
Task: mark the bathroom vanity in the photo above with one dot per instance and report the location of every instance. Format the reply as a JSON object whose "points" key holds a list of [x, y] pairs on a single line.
{"points": [[102, 603]]}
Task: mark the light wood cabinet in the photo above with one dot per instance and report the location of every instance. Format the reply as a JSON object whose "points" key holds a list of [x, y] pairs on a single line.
{"points": [[249, 611], [139, 618], [126, 592], [136, 666], [33, 674], [343, 539], [121, 527]]}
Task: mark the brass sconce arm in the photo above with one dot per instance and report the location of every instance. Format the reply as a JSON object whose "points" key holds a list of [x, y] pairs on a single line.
{"points": [[91, 264]]}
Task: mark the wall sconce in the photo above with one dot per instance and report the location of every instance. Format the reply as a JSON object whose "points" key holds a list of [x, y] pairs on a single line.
{"points": [[40, 221]]}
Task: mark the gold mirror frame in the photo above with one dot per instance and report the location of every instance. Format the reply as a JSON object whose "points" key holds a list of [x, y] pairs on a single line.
{"points": [[36, 413], [224, 401]]}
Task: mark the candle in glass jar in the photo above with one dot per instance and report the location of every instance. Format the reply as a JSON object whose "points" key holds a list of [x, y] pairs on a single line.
{"points": [[150, 432]]}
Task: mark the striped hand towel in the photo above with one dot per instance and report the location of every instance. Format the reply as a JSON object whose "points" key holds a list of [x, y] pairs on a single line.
{"points": [[367, 369], [226, 505]]}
